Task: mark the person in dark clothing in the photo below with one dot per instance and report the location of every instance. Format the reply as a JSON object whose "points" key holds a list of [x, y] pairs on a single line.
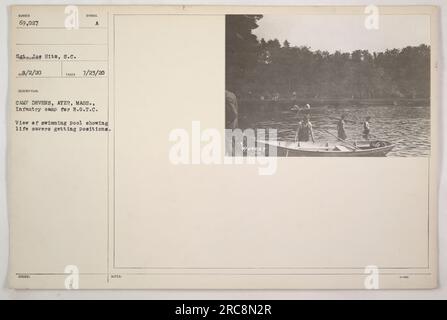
{"points": [[341, 128], [305, 132]]}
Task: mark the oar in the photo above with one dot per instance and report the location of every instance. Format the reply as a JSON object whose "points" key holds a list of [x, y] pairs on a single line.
{"points": [[351, 145]]}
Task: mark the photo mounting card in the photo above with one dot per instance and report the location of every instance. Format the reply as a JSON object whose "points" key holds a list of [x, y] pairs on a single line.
{"points": [[223, 147]]}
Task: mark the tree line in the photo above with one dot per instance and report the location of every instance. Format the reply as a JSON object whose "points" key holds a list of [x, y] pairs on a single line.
{"points": [[260, 69]]}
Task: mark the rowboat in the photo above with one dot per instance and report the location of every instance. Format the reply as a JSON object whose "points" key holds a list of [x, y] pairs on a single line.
{"points": [[366, 148]]}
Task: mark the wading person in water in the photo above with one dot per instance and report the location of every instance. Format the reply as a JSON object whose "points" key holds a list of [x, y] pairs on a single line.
{"points": [[366, 128], [305, 132], [304, 111], [341, 128]]}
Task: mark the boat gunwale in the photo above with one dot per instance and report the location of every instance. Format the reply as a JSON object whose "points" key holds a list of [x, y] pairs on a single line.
{"points": [[388, 147]]}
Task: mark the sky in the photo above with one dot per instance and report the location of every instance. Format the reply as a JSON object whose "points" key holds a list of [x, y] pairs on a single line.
{"points": [[346, 32]]}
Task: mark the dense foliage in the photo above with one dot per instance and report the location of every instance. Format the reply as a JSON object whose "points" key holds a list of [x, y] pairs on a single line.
{"points": [[270, 69]]}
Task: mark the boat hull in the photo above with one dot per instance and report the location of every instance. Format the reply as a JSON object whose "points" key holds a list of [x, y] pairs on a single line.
{"points": [[365, 149]]}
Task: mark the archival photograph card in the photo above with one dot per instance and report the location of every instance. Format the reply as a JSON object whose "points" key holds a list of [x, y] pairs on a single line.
{"points": [[213, 147]]}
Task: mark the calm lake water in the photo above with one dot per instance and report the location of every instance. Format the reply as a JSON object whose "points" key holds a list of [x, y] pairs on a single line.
{"points": [[406, 126]]}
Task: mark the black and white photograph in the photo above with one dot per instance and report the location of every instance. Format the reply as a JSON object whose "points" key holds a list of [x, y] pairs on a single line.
{"points": [[331, 85]]}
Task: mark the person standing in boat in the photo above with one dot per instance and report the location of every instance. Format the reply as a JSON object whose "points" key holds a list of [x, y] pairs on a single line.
{"points": [[341, 127], [305, 132], [366, 128]]}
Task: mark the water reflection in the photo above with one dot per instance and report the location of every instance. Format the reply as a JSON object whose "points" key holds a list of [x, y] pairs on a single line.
{"points": [[406, 126]]}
